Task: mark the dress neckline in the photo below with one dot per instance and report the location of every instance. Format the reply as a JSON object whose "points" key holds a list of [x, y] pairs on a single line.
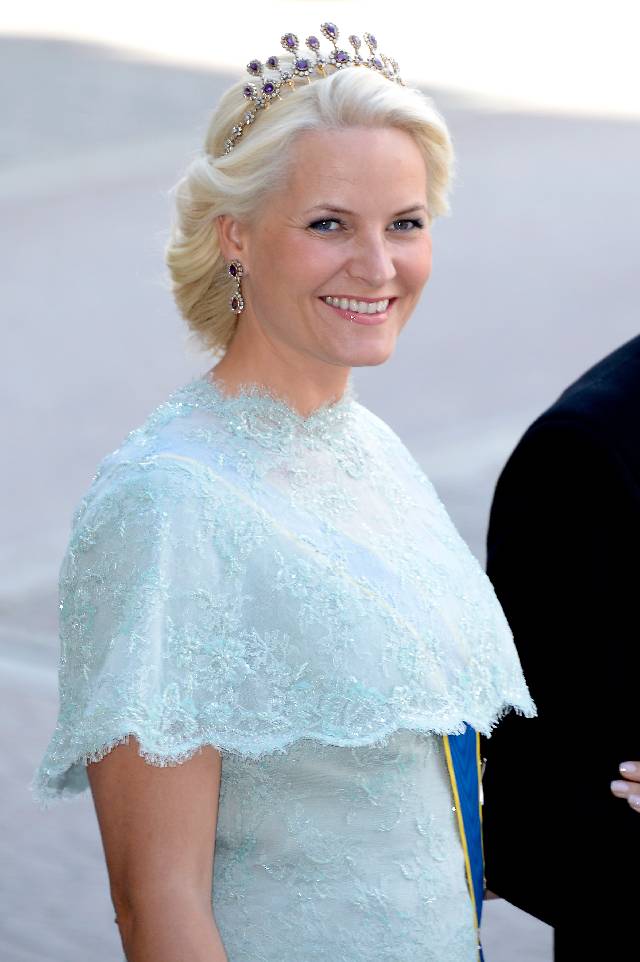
{"points": [[255, 411]]}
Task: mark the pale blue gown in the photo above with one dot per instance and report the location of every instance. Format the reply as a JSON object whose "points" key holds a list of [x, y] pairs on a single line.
{"points": [[292, 591]]}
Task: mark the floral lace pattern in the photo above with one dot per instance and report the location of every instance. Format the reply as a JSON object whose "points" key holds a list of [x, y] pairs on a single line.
{"points": [[292, 591], [355, 851]]}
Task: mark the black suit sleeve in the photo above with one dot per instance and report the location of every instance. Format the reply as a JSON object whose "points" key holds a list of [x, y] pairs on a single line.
{"points": [[563, 548]]}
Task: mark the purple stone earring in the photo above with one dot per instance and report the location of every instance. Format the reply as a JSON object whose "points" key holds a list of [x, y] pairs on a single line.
{"points": [[236, 302]]}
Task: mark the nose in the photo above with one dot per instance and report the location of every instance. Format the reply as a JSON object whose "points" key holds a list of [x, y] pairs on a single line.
{"points": [[371, 261]]}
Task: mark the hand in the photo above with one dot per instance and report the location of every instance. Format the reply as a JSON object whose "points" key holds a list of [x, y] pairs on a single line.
{"points": [[630, 787]]}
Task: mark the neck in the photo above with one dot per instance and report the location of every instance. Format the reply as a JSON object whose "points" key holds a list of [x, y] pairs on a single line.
{"points": [[305, 383]]}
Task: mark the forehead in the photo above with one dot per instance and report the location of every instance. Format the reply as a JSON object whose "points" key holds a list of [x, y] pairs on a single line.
{"points": [[374, 166]]}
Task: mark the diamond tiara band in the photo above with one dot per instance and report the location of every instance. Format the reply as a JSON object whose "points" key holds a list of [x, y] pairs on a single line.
{"points": [[272, 78]]}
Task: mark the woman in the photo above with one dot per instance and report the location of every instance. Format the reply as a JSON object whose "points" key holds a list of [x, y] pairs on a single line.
{"points": [[274, 642]]}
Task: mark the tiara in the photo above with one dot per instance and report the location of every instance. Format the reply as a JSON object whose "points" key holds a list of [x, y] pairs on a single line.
{"points": [[272, 78]]}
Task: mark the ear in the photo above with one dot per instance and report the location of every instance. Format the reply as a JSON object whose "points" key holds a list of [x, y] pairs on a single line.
{"points": [[231, 238]]}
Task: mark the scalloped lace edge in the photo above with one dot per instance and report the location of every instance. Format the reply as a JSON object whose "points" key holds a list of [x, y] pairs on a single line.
{"points": [[45, 791]]}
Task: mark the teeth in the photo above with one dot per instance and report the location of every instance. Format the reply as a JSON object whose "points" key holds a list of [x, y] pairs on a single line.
{"points": [[358, 307]]}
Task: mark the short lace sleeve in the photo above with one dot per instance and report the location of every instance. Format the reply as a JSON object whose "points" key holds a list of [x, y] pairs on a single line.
{"points": [[144, 596]]}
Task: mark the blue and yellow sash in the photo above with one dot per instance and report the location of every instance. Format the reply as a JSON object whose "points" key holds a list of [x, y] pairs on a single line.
{"points": [[462, 753]]}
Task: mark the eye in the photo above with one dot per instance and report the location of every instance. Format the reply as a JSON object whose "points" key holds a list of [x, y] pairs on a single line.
{"points": [[322, 226], [408, 225]]}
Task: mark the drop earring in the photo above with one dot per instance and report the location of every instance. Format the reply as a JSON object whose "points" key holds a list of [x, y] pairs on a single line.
{"points": [[236, 301]]}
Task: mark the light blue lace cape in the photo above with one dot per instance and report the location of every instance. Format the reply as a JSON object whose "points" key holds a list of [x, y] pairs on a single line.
{"points": [[241, 576]]}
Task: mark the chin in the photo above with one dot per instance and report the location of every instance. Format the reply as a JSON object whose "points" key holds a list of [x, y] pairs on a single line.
{"points": [[371, 357]]}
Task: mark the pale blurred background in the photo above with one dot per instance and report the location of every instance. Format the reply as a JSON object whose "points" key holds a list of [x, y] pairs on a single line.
{"points": [[535, 278]]}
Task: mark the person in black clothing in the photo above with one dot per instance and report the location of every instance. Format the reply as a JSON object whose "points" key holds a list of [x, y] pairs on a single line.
{"points": [[564, 558]]}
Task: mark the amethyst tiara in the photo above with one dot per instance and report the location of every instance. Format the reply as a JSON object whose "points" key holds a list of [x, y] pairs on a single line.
{"points": [[272, 78]]}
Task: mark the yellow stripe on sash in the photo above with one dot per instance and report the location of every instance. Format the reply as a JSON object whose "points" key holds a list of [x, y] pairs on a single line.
{"points": [[460, 820]]}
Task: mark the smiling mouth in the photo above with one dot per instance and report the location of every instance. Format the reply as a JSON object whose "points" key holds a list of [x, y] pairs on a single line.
{"points": [[358, 307]]}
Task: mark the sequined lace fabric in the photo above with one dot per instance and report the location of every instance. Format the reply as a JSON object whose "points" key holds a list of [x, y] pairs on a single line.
{"points": [[292, 591]]}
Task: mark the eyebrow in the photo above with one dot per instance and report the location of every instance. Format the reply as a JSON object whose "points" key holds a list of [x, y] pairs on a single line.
{"points": [[342, 210]]}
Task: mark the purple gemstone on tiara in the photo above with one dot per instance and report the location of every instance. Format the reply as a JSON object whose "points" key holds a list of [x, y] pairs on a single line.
{"points": [[254, 67], [355, 41], [313, 43], [377, 63], [330, 31], [342, 56], [290, 41], [372, 42], [301, 64], [268, 89], [273, 63], [249, 91]]}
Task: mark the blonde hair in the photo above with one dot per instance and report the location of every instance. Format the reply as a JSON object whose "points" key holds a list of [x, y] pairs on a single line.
{"points": [[238, 182]]}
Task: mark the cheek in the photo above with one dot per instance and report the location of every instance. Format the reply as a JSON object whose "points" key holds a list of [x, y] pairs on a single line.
{"points": [[315, 259], [305, 261], [417, 268], [271, 268]]}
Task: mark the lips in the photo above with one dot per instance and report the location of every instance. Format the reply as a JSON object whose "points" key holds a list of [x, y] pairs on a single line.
{"points": [[365, 312], [358, 305]]}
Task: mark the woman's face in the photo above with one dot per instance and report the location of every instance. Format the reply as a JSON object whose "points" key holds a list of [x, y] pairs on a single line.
{"points": [[349, 231]]}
